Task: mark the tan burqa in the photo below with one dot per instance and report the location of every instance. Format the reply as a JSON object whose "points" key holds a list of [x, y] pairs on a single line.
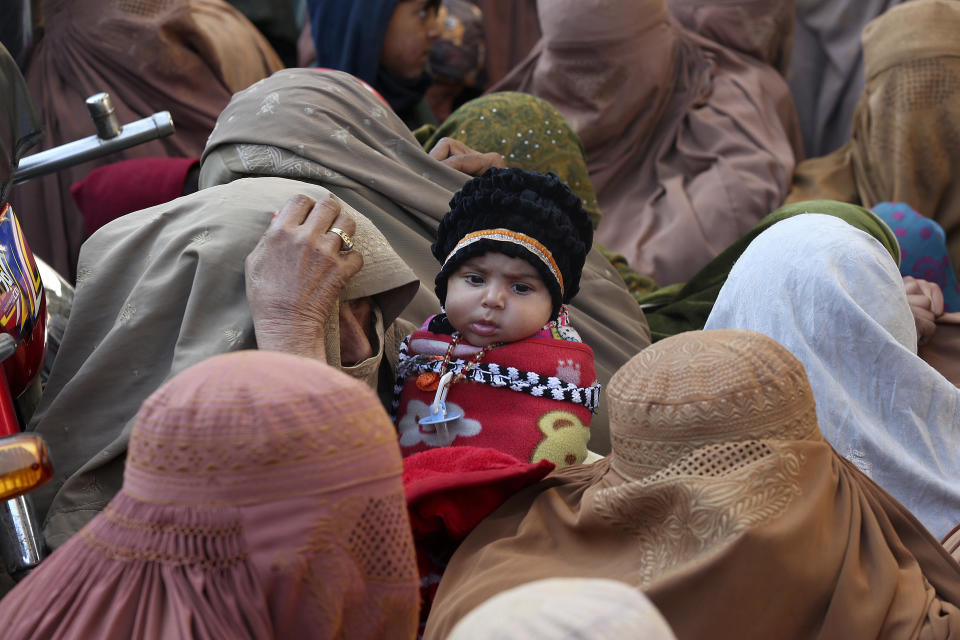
{"points": [[725, 506], [689, 143], [905, 142], [184, 56]]}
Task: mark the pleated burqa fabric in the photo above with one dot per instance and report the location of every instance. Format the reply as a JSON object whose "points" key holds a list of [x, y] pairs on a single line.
{"points": [[723, 503], [760, 29], [689, 143], [262, 498], [905, 142], [184, 56], [511, 30]]}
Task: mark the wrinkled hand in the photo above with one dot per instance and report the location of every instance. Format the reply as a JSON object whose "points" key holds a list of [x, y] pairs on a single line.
{"points": [[296, 273], [926, 304], [459, 156]]}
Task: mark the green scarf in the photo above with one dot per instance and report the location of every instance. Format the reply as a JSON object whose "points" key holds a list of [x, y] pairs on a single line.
{"points": [[685, 306], [528, 132]]}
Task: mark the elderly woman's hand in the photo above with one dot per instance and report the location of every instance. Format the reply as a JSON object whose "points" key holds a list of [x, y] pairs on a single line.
{"points": [[459, 156], [926, 303], [296, 273]]}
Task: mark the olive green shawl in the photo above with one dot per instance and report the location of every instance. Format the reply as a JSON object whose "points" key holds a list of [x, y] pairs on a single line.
{"points": [[685, 306]]}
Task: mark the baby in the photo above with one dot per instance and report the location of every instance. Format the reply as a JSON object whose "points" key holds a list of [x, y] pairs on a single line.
{"points": [[511, 249]]}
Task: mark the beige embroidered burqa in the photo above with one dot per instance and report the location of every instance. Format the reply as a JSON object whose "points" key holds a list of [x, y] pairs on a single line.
{"points": [[689, 143], [725, 506], [163, 288], [262, 499], [184, 56], [905, 143]]}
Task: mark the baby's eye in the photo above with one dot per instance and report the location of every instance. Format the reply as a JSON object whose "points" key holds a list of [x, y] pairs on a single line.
{"points": [[473, 278], [522, 288]]}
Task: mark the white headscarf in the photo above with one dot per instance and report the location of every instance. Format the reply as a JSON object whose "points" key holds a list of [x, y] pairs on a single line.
{"points": [[566, 609], [832, 295]]}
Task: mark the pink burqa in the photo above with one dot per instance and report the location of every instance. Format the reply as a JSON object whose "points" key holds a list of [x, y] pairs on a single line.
{"points": [[183, 56], [689, 142], [262, 498]]}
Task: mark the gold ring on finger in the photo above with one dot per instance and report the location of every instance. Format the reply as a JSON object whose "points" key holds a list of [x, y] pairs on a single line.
{"points": [[344, 237]]}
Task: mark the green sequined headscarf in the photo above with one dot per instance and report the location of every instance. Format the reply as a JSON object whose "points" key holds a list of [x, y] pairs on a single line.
{"points": [[528, 132]]}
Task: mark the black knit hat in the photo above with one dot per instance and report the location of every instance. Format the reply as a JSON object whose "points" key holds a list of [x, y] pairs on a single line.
{"points": [[537, 209]]}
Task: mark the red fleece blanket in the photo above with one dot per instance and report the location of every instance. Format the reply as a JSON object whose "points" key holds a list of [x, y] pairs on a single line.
{"points": [[545, 420], [449, 491]]}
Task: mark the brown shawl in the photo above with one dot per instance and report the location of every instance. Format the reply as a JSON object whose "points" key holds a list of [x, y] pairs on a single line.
{"points": [[184, 56], [688, 142], [723, 503], [905, 143]]}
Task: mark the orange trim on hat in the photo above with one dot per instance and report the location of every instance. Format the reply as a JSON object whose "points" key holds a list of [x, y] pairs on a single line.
{"points": [[506, 235]]}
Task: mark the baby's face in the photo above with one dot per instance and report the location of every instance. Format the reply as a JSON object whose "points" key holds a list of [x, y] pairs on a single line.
{"points": [[496, 298]]}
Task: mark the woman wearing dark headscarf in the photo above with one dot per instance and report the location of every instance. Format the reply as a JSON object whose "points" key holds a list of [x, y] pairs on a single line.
{"points": [[689, 142], [385, 43], [184, 56]]}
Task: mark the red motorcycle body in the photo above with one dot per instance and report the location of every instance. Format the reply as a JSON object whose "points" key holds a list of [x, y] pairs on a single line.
{"points": [[22, 316]]}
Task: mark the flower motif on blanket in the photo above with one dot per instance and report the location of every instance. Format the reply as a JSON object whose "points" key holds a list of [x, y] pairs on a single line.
{"points": [[412, 433], [531, 399]]}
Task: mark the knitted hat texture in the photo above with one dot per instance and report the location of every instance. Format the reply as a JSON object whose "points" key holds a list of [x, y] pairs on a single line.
{"points": [[534, 204]]}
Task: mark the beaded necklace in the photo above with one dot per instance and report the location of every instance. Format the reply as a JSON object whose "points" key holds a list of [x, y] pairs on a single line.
{"points": [[428, 381]]}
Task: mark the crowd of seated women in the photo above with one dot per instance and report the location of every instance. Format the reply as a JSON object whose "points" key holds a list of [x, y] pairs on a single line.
{"points": [[779, 429]]}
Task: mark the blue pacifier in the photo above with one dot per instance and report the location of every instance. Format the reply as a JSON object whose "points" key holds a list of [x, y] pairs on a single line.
{"points": [[440, 416]]}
